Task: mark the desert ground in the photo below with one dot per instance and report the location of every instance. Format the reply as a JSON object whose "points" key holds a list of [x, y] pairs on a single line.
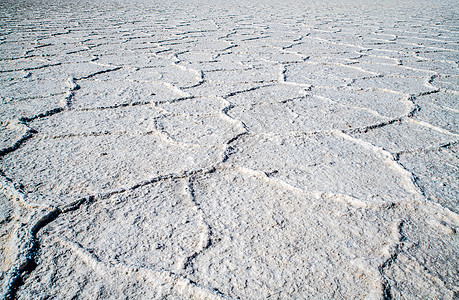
{"points": [[229, 149]]}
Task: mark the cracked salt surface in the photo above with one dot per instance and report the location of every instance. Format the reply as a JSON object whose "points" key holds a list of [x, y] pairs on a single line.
{"points": [[202, 150]]}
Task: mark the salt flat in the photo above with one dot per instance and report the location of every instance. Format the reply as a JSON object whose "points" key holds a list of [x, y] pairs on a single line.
{"points": [[229, 149]]}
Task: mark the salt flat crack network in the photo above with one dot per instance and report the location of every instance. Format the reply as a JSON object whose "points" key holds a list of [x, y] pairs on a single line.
{"points": [[216, 150]]}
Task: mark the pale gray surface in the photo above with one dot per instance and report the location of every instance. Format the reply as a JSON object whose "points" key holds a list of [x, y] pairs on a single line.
{"points": [[229, 149]]}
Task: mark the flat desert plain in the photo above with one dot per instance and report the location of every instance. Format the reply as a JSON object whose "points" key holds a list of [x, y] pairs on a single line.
{"points": [[229, 149]]}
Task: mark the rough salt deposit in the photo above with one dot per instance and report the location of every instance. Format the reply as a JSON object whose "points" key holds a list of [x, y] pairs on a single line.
{"points": [[229, 149]]}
